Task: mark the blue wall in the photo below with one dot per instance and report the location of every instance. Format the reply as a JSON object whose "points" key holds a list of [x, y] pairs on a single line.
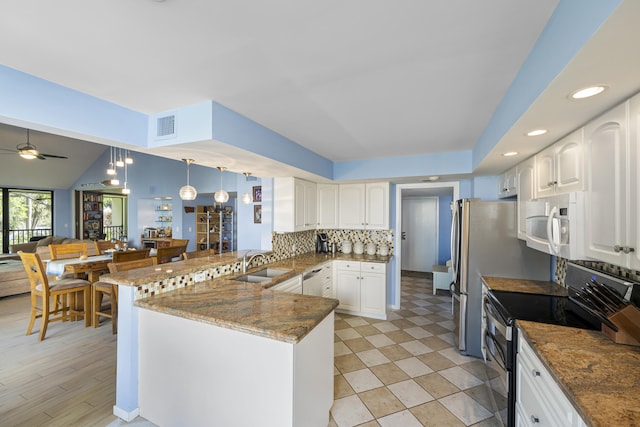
{"points": [[444, 228]]}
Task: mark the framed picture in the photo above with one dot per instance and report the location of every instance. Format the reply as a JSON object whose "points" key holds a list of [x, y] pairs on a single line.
{"points": [[257, 193], [257, 214]]}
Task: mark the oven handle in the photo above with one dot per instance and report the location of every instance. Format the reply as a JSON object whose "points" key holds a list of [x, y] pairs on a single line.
{"points": [[500, 358], [499, 324]]}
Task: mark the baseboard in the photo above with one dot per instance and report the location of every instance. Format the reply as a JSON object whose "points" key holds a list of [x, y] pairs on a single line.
{"points": [[125, 415]]}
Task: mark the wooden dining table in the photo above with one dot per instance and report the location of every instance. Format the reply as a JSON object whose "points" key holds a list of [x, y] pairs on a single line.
{"points": [[92, 266]]}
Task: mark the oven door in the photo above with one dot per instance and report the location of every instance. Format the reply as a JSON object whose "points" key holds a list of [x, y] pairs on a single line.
{"points": [[496, 342]]}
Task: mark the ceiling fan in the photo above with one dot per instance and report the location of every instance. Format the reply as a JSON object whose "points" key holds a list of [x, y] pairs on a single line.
{"points": [[29, 151]]}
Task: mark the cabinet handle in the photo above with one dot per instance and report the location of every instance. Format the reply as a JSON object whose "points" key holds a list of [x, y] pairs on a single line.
{"points": [[535, 372], [627, 249], [534, 419], [617, 248]]}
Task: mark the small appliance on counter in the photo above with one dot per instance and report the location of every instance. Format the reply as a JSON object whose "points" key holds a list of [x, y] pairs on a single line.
{"points": [[322, 243]]}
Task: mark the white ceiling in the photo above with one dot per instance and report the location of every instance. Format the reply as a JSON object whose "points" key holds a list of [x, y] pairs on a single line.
{"points": [[349, 80]]}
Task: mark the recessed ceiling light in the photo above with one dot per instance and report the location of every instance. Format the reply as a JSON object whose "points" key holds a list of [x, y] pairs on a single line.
{"points": [[537, 132], [587, 92], [510, 154]]}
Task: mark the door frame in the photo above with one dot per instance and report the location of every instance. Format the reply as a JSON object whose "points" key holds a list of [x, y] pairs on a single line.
{"points": [[455, 188]]}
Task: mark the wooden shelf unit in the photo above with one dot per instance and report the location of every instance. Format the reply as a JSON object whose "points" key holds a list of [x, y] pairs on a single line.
{"points": [[92, 216], [214, 230]]}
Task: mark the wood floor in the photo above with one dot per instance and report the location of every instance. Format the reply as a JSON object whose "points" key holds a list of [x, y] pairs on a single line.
{"points": [[66, 380]]}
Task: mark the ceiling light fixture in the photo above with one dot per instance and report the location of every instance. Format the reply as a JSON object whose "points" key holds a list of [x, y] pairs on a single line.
{"points": [[128, 159], [537, 132], [111, 170], [27, 151], [588, 92], [247, 197], [221, 196], [119, 162], [510, 154], [126, 190], [187, 192]]}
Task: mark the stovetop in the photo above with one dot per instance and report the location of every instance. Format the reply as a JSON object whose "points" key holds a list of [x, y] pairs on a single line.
{"points": [[557, 310]]}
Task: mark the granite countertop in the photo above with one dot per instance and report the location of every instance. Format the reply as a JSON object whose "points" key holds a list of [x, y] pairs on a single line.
{"points": [[601, 378], [524, 286], [242, 306], [245, 307]]}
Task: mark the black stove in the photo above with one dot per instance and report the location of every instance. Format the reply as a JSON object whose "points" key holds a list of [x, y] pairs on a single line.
{"points": [[551, 309]]}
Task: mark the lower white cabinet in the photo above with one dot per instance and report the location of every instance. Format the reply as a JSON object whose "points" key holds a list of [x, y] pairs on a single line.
{"points": [[293, 285], [539, 400], [361, 288], [327, 280]]}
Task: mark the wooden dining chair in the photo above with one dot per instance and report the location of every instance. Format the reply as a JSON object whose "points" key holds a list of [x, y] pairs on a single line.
{"points": [[101, 289], [179, 242], [68, 250], [170, 254], [198, 254], [104, 245], [122, 256], [47, 293]]}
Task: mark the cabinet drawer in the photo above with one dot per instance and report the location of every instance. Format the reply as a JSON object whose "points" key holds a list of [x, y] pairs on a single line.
{"points": [[348, 265], [373, 267]]}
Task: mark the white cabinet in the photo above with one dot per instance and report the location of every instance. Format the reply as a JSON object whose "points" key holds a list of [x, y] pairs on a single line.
{"points": [[327, 280], [611, 200], [293, 285], [560, 168], [294, 207], [364, 206], [539, 400], [508, 184], [525, 183], [361, 288], [328, 198]]}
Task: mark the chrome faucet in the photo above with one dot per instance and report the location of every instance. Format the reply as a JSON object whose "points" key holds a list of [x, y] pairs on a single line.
{"points": [[246, 263]]}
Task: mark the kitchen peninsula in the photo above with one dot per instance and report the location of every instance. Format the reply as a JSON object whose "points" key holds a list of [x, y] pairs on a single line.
{"points": [[221, 351]]}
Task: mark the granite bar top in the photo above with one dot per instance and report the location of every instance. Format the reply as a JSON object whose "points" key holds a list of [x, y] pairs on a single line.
{"points": [[245, 307], [297, 264], [524, 286], [601, 378]]}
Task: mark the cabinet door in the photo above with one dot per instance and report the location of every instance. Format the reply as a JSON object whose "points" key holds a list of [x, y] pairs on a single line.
{"points": [[310, 205], [377, 206], [525, 181], [373, 293], [545, 178], [508, 184], [327, 205], [633, 158], [348, 289], [352, 206], [569, 165], [606, 201], [299, 205]]}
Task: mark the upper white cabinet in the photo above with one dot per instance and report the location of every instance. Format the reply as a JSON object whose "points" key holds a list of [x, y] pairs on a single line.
{"points": [[508, 184], [560, 168], [328, 199], [364, 206], [295, 205], [525, 184], [611, 213]]}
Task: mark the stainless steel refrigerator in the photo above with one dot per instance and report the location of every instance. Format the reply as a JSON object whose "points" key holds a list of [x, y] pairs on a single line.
{"points": [[484, 243]]}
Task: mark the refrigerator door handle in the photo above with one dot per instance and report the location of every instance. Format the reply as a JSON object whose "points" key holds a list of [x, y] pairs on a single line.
{"points": [[454, 242]]}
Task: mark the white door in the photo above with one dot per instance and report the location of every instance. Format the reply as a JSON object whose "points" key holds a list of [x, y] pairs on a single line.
{"points": [[420, 233]]}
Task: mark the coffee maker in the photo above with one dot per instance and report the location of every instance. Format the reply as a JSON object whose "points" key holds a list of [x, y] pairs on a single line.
{"points": [[322, 243]]}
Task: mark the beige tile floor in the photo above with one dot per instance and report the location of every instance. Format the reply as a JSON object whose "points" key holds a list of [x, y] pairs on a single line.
{"points": [[399, 372], [405, 371]]}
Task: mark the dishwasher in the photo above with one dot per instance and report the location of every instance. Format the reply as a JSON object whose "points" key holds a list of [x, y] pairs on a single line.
{"points": [[312, 282]]}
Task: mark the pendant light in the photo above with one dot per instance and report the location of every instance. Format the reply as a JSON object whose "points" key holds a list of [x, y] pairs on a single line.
{"points": [[119, 162], [126, 190], [247, 197], [221, 196], [111, 170], [187, 192], [128, 159]]}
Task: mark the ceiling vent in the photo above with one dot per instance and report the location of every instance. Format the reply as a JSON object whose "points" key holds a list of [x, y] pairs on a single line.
{"points": [[166, 126]]}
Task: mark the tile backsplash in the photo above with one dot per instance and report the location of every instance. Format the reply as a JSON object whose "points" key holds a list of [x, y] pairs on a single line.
{"points": [[305, 241], [603, 267]]}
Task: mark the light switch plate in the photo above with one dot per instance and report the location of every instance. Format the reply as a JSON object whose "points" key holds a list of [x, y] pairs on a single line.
{"points": [[199, 277]]}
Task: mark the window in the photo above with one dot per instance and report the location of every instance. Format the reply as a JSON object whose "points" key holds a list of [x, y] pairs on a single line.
{"points": [[25, 214]]}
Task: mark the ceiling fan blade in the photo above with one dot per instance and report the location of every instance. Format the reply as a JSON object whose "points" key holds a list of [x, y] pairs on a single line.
{"points": [[53, 156], [8, 151]]}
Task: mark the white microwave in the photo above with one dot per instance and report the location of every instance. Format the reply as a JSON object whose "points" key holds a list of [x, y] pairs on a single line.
{"points": [[555, 225]]}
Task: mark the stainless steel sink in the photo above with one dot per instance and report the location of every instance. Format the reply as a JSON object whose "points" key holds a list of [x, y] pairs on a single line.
{"points": [[263, 275], [268, 272]]}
